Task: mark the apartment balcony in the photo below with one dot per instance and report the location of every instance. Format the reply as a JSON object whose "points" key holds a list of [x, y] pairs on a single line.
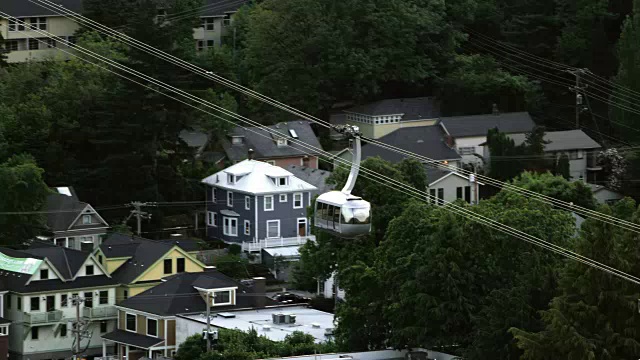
{"points": [[44, 318], [100, 313], [276, 242]]}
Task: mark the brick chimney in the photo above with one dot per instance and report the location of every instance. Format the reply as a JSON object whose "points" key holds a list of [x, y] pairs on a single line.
{"points": [[259, 292]]}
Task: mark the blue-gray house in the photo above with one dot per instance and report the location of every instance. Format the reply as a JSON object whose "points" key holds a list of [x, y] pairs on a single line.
{"points": [[255, 203]]}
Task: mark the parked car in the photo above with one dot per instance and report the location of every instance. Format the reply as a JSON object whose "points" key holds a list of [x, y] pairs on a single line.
{"points": [[290, 298]]}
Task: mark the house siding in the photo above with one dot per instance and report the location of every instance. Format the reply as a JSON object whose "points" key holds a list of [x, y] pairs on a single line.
{"points": [[449, 186], [157, 271], [284, 212], [238, 207]]}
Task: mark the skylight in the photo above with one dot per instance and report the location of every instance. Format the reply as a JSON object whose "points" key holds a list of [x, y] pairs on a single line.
{"points": [[293, 133]]}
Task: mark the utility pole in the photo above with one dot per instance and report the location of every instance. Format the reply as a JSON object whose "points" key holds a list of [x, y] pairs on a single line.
{"points": [[77, 328], [139, 214], [578, 89], [208, 321]]}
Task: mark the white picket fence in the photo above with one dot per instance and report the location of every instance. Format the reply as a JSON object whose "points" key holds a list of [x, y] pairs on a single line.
{"points": [[276, 242]]}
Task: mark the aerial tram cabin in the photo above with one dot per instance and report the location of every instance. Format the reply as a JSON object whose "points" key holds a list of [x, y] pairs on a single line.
{"points": [[340, 212]]}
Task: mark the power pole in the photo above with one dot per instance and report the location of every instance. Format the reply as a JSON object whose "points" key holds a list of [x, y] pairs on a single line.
{"points": [[208, 321], [77, 326], [578, 89], [139, 214]]}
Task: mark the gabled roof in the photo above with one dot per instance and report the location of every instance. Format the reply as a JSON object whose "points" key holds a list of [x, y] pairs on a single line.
{"points": [[162, 300], [133, 339], [427, 141], [19, 8], [255, 178], [67, 261], [17, 282], [412, 108], [562, 140], [64, 208], [479, 125], [194, 139], [315, 177], [142, 253], [264, 144]]}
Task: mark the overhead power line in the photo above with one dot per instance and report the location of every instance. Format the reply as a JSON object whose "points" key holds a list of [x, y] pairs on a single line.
{"points": [[382, 179], [210, 75]]}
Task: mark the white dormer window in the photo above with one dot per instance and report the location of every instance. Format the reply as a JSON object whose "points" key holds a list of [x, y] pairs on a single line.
{"points": [[86, 219], [231, 179], [282, 142], [223, 297], [283, 181]]}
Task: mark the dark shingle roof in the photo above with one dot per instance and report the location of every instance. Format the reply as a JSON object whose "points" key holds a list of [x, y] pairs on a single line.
{"points": [[412, 108], [264, 144], [66, 261], [20, 8], [479, 125], [143, 253], [4, 321], [434, 174], [17, 282], [562, 140], [131, 338], [315, 177], [160, 300], [63, 210], [427, 141]]}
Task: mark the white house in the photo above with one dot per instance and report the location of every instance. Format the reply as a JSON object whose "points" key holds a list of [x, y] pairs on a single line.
{"points": [[448, 186], [604, 195], [468, 133], [39, 304]]}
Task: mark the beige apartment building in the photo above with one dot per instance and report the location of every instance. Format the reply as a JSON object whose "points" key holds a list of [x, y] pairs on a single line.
{"points": [[24, 43]]}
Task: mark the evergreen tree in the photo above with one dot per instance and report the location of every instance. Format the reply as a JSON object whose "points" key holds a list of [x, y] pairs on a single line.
{"points": [[595, 316], [502, 166], [628, 75], [3, 52], [562, 168]]}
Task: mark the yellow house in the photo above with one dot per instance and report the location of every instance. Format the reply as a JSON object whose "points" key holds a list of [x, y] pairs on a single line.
{"points": [[383, 117], [139, 264]]}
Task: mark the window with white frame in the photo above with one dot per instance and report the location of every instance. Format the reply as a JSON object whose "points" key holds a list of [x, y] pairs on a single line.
{"points": [[12, 45], [231, 179], [247, 227], [207, 23], [230, 198], [152, 327], [230, 227], [247, 203], [222, 297], [38, 23], [213, 194], [282, 198], [50, 43], [468, 150], [131, 322], [16, 25], [273, 228], [283, 181], [268, 203], [210, 218], [33, 44], [297, 200], [86, 219]]}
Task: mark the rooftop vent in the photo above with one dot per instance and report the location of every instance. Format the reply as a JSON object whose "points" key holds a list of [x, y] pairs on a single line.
{"points": [[281, 318], [227, 315], [317, 325], [266, 327]]}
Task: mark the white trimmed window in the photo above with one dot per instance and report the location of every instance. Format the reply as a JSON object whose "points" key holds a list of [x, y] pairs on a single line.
{"points": [[247, 203], [230, 198], [16, 25], [222, 297], [39, 23], [268, 203], [231, 179], [86, 219], [247, 227], [213, 194], [470, 150], [152, 327], [282, 198], [131, 322], [230, 226], [297, 201], [273, 228], [212, 218], [207, 23]]}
